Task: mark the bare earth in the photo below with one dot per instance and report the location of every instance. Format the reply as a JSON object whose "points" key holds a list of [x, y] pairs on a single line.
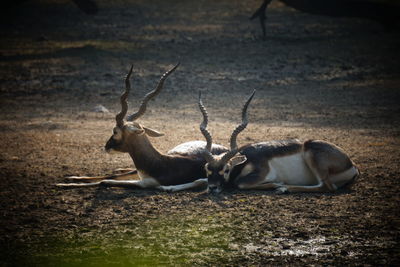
{"points": [[317, 78]]}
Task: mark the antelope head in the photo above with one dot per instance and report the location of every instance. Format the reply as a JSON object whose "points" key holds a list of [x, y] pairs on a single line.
{"points": [[218, 167], [127, 131]]}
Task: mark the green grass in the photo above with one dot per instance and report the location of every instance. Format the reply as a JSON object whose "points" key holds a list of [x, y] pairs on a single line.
{"points": [[171, 240]]}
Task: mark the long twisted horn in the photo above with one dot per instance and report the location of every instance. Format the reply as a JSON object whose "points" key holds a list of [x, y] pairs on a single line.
{"points": [[124, 104], [204, 131], [150, 95], [244, 123], [239, 128]]}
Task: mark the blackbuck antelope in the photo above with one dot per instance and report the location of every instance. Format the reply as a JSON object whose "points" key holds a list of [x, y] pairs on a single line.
{"points": [[181, 168], [286, 166]]}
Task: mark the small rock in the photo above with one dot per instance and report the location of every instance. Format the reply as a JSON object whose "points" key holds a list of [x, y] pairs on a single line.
{"points": [[100, 109]]}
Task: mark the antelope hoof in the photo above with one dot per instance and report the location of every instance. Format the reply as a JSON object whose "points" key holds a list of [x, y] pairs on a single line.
{"points": [[281, 190], [170, 189]]}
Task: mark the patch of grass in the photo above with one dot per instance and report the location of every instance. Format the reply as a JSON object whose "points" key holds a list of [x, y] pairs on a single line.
{"points": [[170, 240]]}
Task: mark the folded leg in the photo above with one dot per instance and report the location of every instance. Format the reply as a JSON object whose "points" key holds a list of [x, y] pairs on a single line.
{"points": [[181, 187], [321, 187], [123, 170], [130, 175], [107, 183], [266, 186]]}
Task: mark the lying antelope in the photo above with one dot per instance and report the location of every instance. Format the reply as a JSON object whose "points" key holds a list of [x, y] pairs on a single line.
{"points": [[286, 166], [179, 169]]}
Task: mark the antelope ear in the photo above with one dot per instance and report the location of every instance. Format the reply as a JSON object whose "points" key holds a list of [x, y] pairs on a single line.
{"points": [[134, 129], [152, 133], [239, 159]]}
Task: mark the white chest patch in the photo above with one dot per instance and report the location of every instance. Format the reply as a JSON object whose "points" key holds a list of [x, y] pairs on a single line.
{"points": [[143, 175], [290, 170]]}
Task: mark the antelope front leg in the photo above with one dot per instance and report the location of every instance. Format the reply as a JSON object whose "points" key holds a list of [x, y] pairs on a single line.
{"points": [[319, 188], [123, 170], [266, 186], [77, 185], [181, 187], [107, 183], [130, 175]]}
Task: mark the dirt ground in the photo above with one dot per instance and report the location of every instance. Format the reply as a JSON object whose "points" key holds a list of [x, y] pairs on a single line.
{"points": [[316, 78]]}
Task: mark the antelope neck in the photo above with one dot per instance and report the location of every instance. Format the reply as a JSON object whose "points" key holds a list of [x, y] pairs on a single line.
{"points": [[143, 154]]}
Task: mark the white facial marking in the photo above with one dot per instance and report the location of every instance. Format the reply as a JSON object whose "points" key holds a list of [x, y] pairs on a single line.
{"points": [[208, 172], [226, 171], [117, 134]]}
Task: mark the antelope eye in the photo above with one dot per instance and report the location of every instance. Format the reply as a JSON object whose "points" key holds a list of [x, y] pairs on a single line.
{"points": [[226, 171], [117, 134]]}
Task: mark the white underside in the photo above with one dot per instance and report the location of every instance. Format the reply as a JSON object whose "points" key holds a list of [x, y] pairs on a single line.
{"points": [[290, 170], [293, 170]]}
